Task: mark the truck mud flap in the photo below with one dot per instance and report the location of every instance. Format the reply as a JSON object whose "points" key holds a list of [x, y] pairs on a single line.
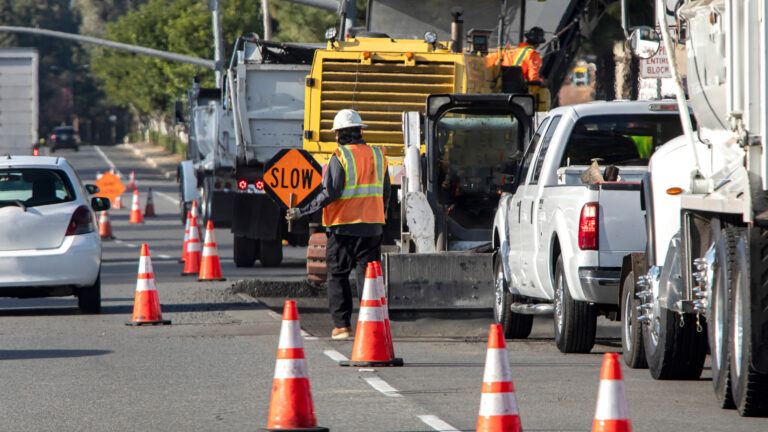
{"points": [[448, 282], [222, 209]]}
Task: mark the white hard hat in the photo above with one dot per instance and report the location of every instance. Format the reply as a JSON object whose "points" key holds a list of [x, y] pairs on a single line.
{"points": [[347, 118]]}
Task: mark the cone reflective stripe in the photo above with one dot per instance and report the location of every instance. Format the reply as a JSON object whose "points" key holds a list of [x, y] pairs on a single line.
{"points": [[136, 216], [132, 182], [290, 406], [149, 208], [210, 267], [146, 305], [192, 262], [370, 346], [384, 308], [186, 237], [196, 216], [612, 413], [105, 227], [498, 406]]}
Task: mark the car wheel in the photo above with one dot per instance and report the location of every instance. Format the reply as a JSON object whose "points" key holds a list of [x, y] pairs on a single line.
{"points": [[748, 386], [575, 321], [631, 329], [515, 325], [271, 253], [244, 251], [89, 298]]}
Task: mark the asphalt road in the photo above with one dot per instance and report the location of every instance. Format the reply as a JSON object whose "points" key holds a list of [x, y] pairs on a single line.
{"points": [[212, 369]]}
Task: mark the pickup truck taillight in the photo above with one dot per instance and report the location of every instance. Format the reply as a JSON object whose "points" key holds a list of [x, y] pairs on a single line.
{"points": [[588, 226], [81, 222]]}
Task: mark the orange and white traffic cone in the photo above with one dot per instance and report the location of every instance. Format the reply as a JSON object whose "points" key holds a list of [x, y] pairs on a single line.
{"points": [[136, 216], [186, 238], [132, 181], [290, 407], [384, 308], [196, 215], [498, 406], [118, 204], [612, 413], [370, 347], [192, 262], [105, 227], [146, 304], [149, 208], [210, 268]]}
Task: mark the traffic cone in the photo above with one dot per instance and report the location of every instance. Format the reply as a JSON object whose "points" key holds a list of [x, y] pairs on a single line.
{"points": [[290, 407], [384, 308], [612, 413], [192, 262], [370, 347], [149, 208], [186, 238], [210, 268], [132, 182], [105, 227], [136, 216], [146, 304], [498, 406], [196, 215], [118, 204]]}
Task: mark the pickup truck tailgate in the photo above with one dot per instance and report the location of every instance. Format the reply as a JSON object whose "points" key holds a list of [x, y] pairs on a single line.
{"points": [[621, 223]]}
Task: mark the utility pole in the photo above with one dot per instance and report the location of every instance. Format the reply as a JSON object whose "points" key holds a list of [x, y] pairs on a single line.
{"points": [[267, 20], [218, 48]]}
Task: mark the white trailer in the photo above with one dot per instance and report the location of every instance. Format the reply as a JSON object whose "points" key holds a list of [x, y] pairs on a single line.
{"points": [[19, 105]]}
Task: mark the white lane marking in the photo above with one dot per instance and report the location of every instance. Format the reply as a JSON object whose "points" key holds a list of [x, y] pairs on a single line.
{"points": [[168, 197], [117, 241], [165, 256], [106, 159], [335, 355], [307, 336], [435, 423], [275, 315], [382, 387]]}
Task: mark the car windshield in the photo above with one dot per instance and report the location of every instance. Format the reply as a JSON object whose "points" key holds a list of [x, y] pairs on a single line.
{"points": [[475, 149], [626, 139], [34, 187]]}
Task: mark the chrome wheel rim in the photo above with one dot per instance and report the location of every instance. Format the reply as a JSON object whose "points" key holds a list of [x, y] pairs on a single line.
{"points": [[559, 304], [719, 313], [627, 324], [499, 304], [738, 322]]}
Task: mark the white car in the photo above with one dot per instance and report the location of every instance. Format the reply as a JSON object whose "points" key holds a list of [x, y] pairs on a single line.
{"points": [[49, 241]]}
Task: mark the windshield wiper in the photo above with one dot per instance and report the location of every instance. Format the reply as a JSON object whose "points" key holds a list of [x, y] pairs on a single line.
{"points": [[17, 203]]}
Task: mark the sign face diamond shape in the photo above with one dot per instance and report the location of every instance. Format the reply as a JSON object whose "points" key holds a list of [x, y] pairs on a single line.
{"points": [[293, 171], [110, 186]]}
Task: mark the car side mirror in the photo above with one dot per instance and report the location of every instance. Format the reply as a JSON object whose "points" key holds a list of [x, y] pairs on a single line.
{"points": [[100, 204], [509, 186], [92, 189]]}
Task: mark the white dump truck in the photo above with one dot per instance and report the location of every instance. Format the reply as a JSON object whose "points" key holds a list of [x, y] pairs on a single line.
{"points": [[19, 106]]}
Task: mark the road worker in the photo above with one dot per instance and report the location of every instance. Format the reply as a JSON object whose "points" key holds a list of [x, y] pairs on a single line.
{"points": [[355, 188], [524, 56]]}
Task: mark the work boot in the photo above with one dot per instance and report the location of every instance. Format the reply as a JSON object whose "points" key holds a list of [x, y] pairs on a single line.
{"points": [[341, 333]]}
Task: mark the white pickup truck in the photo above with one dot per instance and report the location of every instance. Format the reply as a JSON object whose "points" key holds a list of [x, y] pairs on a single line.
{"points": [[560, 236]]}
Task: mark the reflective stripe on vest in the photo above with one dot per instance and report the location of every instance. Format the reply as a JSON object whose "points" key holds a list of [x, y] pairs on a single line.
{"points": [[361, 200], [521, 56]]}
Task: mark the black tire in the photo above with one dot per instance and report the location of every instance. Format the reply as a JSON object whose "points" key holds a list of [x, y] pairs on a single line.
{"points": [[244, 251], [748, 386], [515, 325], [631, 329], [271, 253], [206, 199], [718, 324], [89, 298], [575, 321], [675, 352]]}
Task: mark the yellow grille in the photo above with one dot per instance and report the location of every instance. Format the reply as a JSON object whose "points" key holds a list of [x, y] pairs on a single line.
{"points": [[380, 92]]}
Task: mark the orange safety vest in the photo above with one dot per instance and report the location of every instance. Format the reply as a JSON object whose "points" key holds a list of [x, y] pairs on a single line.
{"points": [[524, 56], [362, 200]]}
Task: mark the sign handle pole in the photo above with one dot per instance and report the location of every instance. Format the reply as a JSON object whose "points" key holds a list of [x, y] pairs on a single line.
{"points": [[291, 199]]}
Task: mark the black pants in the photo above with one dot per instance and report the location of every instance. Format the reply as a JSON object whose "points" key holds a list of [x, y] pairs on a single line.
{"points": [[343, 253]]}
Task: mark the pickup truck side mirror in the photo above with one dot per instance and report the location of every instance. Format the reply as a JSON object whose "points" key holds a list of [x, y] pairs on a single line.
{"points": [[92, 189], [100, 204]]}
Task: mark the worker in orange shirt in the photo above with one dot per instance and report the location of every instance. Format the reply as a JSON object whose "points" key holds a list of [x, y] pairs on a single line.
{"points": [[525, 55]]}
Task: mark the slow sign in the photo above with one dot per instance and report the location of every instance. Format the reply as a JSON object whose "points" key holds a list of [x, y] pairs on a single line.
{"points": [[292, 171], [110, 186]]}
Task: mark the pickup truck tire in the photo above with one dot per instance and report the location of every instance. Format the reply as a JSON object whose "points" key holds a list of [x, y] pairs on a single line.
{"points": [[575, 321], [245, 251], [676, 353], [631, 329], [718, 322], [515, 325], [271, 253], [749, 386]]}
